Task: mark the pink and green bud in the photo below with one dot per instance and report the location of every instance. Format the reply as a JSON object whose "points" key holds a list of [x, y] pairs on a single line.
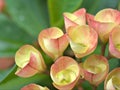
{"points": [[65, 73], [114, 42], [94, 69], [112, 81], [83, 40], [29, 61], [53, 42], [76, 18], [34, 87], [103, 22]]}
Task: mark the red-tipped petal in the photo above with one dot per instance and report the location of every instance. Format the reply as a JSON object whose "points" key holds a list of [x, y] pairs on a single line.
{"points": [[27, 71], [34, 87], [112, 80], [29, 61], [53, 42], [65, 73], [103, 22], [114, 39], [83, 40], [95, 69], [76, 18], [108, 15]]}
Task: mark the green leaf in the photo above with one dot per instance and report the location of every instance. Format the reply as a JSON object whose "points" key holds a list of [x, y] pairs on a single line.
{"points": [[5, 73], [93, 6], [119, 6], [113, 63], [31, 15], [11, 37], [87, 4], [17, 83], [9, 81], [86, 85], [101, 86], [58, 7]]}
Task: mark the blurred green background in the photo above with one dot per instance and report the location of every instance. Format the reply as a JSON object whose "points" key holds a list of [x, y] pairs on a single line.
{"points": [[22, 20]]}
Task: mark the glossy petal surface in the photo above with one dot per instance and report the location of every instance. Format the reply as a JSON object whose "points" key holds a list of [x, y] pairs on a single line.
{"points": [[114, 44], [112, 80], [29, 61], [95, 69], [83, 40], [53, 42], [65, 73]]}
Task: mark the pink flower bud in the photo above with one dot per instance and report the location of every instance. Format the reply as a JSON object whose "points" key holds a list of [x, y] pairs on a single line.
{"points": [[53, 42], [114, 42], [112, 81], [94, 69], [65, 73], [29, 61], [34, 87], [76, 18], [103, 22], [83, 40]]}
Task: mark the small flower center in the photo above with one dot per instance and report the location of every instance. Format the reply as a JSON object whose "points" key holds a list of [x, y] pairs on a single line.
{"points": [[118, 47], [79, 48], [65, 76], [96, 69], [116, 82]]}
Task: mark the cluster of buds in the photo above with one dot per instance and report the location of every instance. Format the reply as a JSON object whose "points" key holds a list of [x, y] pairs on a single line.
{"points": [[82, 33]]}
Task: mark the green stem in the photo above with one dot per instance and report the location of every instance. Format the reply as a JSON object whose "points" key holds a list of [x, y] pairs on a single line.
{"points": [[47, 72], [119, 62], [109, 56], [94, 87], [103, 47], [79, 60], [79, 84]]}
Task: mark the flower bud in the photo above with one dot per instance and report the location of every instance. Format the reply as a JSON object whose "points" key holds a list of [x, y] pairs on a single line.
{"points": [[83, 40], [53, 42], [34, 87], [114, 42], [112, 81], [76, 18], [65, 73], [94, 69], [29, 61], [103, 22]]}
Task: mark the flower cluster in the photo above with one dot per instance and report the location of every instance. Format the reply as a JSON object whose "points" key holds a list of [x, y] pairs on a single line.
{"points": [[82, 31]]}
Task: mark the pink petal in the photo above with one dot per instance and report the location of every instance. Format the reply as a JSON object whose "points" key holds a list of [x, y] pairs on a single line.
{"points": [[29, 61], [78, 35], [80, 14], [34, 87], [94, 78], [53, 42], [27, 71], [108, 83], [61, 64], [112, 49], [103, 29], [108, 15]]}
